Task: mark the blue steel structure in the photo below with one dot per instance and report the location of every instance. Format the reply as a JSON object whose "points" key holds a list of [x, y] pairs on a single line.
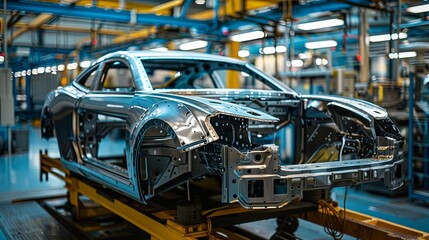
{"points": [[111, 15], [418, 150]]}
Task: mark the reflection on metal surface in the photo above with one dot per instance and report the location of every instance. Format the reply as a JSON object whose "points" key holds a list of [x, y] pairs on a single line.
{"points": [[192, 129]]}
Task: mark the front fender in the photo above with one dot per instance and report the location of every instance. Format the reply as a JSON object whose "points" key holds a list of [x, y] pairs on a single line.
{"points": [[189, 128], [47, 124]]}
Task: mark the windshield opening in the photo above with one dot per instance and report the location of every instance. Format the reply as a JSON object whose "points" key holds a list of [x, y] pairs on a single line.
{"points": [[200, 74]]}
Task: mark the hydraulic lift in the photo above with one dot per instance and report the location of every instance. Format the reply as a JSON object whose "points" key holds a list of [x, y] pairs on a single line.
{"points": [[216, 222]]}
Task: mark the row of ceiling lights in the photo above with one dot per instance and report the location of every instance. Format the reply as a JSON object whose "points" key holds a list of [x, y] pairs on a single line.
{"points": [[243, 37], [52, 69]]}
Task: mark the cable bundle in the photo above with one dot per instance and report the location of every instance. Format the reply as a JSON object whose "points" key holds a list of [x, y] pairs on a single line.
{"points": [[333, 219]]}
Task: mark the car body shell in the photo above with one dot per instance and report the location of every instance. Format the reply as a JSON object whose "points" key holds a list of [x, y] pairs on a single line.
{"points": [[173, 136]]}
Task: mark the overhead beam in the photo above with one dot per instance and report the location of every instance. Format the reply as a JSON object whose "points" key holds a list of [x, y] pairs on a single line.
{"points": [[159, 9], [143, 33], [112, 4], [136, 35], [39, 20], [207, 15], [101, 31], [110, 15]]}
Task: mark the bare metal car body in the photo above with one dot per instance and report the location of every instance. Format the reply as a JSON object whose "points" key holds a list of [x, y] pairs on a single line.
{"points": [[181, 124]]}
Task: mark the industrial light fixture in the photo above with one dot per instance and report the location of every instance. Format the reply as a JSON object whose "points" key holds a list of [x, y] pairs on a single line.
{"points": [[61, 67], [243, 37], [320, 24], [402, 55], [386, 37], [295, 63], [321, 44], [47, 69], [41, 70], [281, 49], [34, 71], [85, 64], [419, 8], [72, 66], [193, 45], [267, 50], [160, 49], [271, 50], [243, 53], [304, 55], [200, 2]]}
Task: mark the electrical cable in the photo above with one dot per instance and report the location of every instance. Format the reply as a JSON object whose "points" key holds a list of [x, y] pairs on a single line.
{"points": [[334, 221]]}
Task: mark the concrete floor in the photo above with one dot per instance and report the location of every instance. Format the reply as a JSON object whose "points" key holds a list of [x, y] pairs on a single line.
{"points": [[19, 178]]}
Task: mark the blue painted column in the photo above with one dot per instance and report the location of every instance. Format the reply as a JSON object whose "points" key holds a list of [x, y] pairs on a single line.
{"points": [[410, 136]]}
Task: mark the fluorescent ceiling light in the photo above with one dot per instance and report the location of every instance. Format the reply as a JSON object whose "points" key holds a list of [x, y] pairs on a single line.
{"points": [[267, 50], [297, 63], [324, 61], [85, 64], [72, 66], [193, 45], [242, 37], [419, 8], [281, 49], [305, 55], [160, 49], [402, 55], [243, 53], [320, 24], [386, 37], [321, 44], [271, 50], [61, 67]]}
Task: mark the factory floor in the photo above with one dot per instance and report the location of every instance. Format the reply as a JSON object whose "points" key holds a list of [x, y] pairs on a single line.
{"points": [[19, 179]]}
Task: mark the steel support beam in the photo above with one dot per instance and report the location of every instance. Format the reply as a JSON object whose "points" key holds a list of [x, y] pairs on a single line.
{"points": [[111, 15], [38, 21]]}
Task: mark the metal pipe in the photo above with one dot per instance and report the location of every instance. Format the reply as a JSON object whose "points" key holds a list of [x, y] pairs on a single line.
{"points": [[5, 36], [398, 29], [215, 14], [110, 15], [391, 61], [410, 135]]}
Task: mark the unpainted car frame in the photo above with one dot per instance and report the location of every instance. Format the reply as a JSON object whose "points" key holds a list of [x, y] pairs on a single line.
{"points": [[189, 127]]}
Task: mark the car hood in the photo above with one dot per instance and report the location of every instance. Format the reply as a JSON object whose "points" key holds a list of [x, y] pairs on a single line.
{"points": [[356, 105]]}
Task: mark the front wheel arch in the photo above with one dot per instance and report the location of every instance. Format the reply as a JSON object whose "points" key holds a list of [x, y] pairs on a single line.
{"points": [[47, 124]]}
